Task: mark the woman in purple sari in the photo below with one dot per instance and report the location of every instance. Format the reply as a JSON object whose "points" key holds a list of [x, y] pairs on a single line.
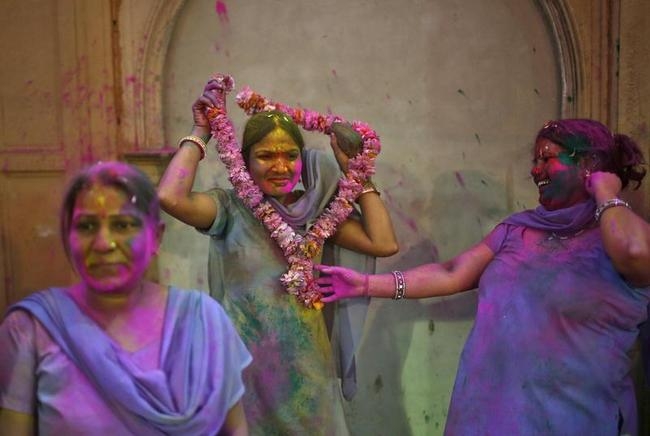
{"points": [[562, 290], [116, 353]]}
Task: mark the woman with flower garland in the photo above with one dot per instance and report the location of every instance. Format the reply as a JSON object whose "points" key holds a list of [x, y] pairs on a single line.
{"points": [[562, 290], [290, 387]]}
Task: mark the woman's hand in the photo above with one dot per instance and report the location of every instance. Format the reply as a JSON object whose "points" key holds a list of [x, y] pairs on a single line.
{"points": [[626, 236], [339, 154], [603, 186], [213, 96], [341, 283]]}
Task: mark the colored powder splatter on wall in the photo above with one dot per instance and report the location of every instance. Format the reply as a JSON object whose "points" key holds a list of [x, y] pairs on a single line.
{"points": [[222, 11], [460, 179]]}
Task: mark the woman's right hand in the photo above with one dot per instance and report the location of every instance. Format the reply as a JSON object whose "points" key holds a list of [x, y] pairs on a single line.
{"points": [[213, 96]]}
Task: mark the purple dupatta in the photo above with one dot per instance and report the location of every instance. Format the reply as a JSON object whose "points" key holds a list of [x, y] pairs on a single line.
{"points": [[198, 380], [564, 221]]}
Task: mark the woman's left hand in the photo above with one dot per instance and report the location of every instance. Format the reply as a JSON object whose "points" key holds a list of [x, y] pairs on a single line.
{"points": [[340, 156], [603, 186]]}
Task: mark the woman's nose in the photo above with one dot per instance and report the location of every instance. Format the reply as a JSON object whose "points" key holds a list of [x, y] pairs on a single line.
{"points": [[103, 240], [536, 169], [281, 165]]}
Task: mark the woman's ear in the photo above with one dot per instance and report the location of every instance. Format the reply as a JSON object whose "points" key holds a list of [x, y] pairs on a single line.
{"points": [[589, 163]]}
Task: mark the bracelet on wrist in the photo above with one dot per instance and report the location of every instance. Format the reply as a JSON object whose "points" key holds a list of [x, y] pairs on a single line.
{"points": [[199, 142], [612, 202], [400, 285], [368, 187]]}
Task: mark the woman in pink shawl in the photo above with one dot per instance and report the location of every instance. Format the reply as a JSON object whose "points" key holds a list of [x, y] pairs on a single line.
{"points": [[116, 353], [562, 290]]}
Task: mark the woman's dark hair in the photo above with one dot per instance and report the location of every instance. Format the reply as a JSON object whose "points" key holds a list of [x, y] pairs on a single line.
{"points": [[590, 139], [262, 123], [128, 179]]}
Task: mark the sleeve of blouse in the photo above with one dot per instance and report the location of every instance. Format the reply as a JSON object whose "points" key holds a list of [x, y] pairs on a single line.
{"points": [[220, 222], [18, 360], [495, 239]]}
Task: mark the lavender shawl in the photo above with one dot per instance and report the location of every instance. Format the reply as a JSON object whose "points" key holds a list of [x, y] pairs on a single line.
{"points": [[201, 359], [565, 221]]}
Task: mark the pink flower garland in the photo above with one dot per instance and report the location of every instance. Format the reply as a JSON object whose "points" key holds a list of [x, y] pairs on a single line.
{"points": [[299, 250]]}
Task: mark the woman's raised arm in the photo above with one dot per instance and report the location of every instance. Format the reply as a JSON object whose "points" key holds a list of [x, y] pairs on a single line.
{"points": [[373, 234], [175, 187]]}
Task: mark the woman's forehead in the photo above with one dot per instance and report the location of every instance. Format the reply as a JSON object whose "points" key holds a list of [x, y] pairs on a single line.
{"points": [[278, 140], [100, 196]]}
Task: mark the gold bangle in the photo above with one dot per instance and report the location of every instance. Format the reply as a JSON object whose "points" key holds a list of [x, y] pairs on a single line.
{"points": [[195, 140], [368, 187]]}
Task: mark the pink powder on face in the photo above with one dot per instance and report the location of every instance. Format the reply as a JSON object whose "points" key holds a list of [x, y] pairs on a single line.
{"points": [[108, 259]]}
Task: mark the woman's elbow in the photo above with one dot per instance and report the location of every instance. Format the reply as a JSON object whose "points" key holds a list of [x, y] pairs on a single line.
{"points": [[387, 250], [634, 264], [168, 200]]}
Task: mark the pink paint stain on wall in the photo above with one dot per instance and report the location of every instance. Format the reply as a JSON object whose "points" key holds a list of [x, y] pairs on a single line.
{"points": [[222, 11], [460, 179], [396, 210]]}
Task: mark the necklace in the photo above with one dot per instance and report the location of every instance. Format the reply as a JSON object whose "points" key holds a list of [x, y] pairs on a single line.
{"points": [[299, 250], [555, 236]]}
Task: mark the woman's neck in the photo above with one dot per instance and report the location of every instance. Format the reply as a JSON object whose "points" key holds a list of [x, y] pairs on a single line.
{"points": [[291, 197], [132, 319], [109, 303]]}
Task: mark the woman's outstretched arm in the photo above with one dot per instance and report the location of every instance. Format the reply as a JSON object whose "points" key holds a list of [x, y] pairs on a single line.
{"points": [[430, 280]]}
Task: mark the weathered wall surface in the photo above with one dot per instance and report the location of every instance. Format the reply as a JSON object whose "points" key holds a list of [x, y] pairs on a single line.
{"points": [[455, 88]]}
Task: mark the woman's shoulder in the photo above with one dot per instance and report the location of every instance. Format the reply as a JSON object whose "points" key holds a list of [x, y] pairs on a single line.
{"points": [[19, 321], [181, 296], [194, 303], [38, 298]]}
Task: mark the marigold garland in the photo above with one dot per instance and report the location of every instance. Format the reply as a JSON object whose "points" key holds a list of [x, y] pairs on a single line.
{"points": [[299, 250]]}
